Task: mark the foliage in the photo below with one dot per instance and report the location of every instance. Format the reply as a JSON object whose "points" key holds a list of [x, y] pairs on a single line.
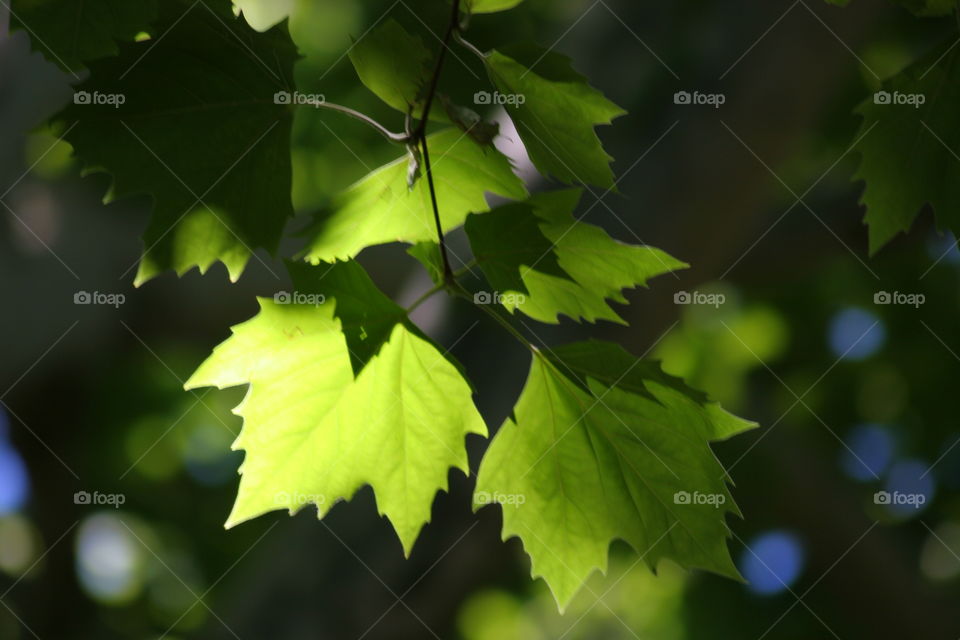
{"points": [[191, 106]]}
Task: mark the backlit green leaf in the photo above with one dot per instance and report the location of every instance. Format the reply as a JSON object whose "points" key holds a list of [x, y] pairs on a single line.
{"points": [[315, 434], [380, 208], [577, 467], [594, 268], [392, 63]]}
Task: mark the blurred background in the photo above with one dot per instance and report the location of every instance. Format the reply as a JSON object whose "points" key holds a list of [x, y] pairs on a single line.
{"points": [[849, 394]]}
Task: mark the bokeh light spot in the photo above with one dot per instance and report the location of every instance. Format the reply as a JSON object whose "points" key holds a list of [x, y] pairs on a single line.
{"points": [[869, 451], [109, 559], [14, 481], [772, 562], [856, 334]]}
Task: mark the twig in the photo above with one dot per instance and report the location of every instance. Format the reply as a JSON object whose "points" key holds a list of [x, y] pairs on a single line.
{"points": [[421, 135], [400, 138]]}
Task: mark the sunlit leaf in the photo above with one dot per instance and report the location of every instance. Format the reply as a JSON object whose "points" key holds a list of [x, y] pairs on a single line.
{"points": [[315, 434], [380, 208], [584, 461]]}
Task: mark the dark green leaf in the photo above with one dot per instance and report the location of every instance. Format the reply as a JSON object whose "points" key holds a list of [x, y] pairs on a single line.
{"points": [[197, 129], [910, 150], [507, 241], [74, 32]]}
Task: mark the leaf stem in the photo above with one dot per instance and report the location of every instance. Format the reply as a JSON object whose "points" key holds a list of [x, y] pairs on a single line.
{"points": [[460, 292], [399, 138], [469, 46], [420, 135]]}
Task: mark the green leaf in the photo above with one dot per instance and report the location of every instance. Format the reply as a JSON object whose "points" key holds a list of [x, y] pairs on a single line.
{"points": [[427, 253], [392, 63], [314, 433], [909, 153], [264, 14], [594, 268], [366, 315], [490, 6], [380, 208], [71, 33], [198, 130], [577, 467], [508, 240], [610, 364], [555, 111]]}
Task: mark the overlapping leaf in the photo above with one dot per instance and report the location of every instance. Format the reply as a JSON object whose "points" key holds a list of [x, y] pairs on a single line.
{"points": [[71, 33], [315, 433], [578, 270], [586, 459], [392, 63], [190, 120], [555, 111], [910, 141], [507, 241], [380, 208]]}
